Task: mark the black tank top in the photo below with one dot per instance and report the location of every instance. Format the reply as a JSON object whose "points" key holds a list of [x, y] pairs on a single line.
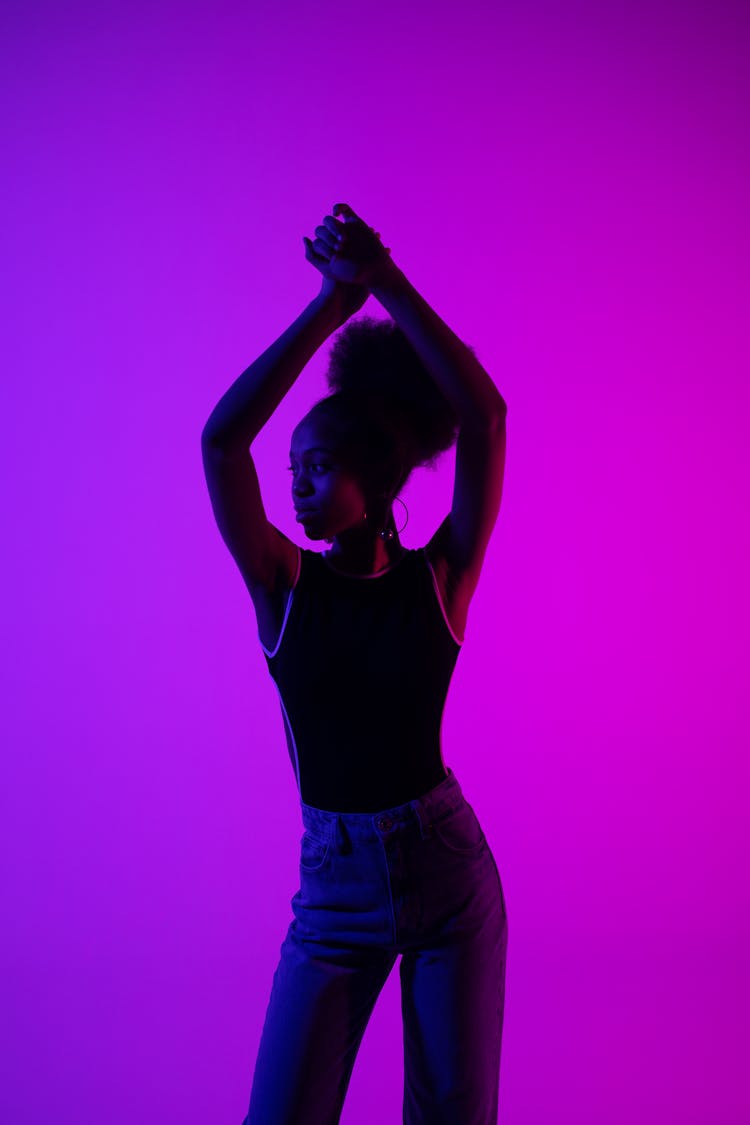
{"points": [[362, 668]]}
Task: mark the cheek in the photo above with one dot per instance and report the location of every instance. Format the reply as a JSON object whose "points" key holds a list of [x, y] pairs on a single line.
{"points": [[343, 496]]}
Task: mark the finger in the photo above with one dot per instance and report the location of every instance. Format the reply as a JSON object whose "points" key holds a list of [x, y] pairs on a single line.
{"points": [[336, 232], [345, 210], [312, 255], [327, 236], [322, 248], [335, 228]]}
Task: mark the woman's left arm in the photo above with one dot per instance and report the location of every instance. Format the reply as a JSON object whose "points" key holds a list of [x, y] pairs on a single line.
{"points": [[459, 374], [464, 534]]}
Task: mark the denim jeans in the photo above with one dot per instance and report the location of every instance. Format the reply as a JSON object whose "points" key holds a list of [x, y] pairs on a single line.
{"points": [[418, 880]]}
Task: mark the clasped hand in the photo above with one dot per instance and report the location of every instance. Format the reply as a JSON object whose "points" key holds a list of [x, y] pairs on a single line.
{"points": [[348, 253]]}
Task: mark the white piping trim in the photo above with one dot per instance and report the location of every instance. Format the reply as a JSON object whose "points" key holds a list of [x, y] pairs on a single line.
{"points": [[288, 606], [291, 732], [440, 600]]}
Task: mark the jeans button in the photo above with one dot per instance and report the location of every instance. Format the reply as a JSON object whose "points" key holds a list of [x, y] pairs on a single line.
{"points": [[384, 823]]}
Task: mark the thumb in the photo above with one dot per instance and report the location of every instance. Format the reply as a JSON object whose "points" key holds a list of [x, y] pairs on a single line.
{"points": [[345, 210]]}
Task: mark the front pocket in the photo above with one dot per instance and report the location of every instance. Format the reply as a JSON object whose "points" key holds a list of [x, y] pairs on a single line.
{"points": [[460, 830], [313, 851]]}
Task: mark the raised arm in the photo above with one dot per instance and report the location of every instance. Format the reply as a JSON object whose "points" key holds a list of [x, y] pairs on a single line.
{"points": [[461, 540], [257, 547], [242, 412], [463, 537]]}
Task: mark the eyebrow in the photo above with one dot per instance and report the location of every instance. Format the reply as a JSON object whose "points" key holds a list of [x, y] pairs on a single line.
{"points": [[313, 449]]}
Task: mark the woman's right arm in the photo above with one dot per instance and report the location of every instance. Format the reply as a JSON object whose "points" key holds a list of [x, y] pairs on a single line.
{"points": [[258, 548], [243, 411]]}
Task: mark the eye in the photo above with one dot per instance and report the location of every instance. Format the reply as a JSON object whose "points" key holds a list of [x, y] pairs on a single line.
{"points": [[317, 465]]}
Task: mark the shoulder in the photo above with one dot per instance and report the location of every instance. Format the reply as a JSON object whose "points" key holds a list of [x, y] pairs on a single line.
{"points": [[272, 602]]}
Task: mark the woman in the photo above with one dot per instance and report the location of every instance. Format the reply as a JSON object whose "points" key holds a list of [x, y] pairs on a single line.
{"points": [[361, 641]]}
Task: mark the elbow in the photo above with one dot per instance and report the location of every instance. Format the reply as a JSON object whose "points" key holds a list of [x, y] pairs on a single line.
{"points": [[213, 444], [209, 437], [489, 419], [214, 436], [217, 444], [498, 412]]}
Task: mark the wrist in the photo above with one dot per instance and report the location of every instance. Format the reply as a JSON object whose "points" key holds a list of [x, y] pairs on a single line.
{"points": [[327, 309], [384, 277]]}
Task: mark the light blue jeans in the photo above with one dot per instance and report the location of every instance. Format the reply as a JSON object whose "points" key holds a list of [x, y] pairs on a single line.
{"points": [[418, 880]]}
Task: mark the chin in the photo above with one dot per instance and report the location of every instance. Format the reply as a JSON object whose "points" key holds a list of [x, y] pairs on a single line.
{"points": [[313, 532]]}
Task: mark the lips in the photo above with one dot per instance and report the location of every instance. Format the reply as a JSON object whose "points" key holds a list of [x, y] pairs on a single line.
{"points": [[304, 512]]}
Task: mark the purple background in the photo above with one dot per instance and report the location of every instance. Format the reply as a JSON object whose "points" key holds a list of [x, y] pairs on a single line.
{"points": [[567, 185]]}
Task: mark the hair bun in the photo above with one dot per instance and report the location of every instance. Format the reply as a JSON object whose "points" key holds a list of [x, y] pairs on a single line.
{"points": [[373, 365]]}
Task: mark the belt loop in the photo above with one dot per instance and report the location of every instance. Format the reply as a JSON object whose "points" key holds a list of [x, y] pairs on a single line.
{"points": [[425, 829]]}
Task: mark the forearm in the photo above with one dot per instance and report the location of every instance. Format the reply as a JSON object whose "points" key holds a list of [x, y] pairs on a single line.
{"points": [[245, 408], [459, 374]]}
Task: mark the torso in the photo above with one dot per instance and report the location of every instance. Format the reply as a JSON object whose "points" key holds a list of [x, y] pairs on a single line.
{"points": [[270, 605]]}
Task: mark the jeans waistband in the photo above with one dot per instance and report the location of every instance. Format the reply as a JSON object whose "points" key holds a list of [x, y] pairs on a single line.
{"points": [[360, 825]]}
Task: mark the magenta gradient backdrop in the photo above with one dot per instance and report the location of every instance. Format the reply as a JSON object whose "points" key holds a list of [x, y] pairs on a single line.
{"points": [[567, 185]]}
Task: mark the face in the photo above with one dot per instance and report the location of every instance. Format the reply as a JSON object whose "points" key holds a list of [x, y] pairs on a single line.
{"points": [[322, 484]]}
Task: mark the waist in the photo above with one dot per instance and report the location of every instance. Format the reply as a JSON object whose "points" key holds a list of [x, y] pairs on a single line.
{"points": [[425, 808]]}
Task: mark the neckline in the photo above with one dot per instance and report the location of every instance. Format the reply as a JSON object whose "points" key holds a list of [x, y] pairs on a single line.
{"points": [[347, 574]]}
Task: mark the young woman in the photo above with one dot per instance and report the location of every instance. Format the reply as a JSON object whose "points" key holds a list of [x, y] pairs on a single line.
{"points": [[361, 640]]}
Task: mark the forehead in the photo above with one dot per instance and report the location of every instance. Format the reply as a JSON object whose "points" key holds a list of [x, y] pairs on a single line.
{"points": [[310, 436], [312, 449]]}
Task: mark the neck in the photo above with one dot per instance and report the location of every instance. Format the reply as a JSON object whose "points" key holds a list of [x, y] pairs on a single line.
{"points": [[364, 556]]}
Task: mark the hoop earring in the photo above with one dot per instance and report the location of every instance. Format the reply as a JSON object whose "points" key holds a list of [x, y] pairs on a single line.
{"points": [[386, 533]]}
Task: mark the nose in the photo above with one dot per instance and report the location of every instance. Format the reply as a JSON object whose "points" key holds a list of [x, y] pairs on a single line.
{"points": [[297, 491]]}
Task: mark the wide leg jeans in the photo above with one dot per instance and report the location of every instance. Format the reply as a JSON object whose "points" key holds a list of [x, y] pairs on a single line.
{"points": [[417, 880]]}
